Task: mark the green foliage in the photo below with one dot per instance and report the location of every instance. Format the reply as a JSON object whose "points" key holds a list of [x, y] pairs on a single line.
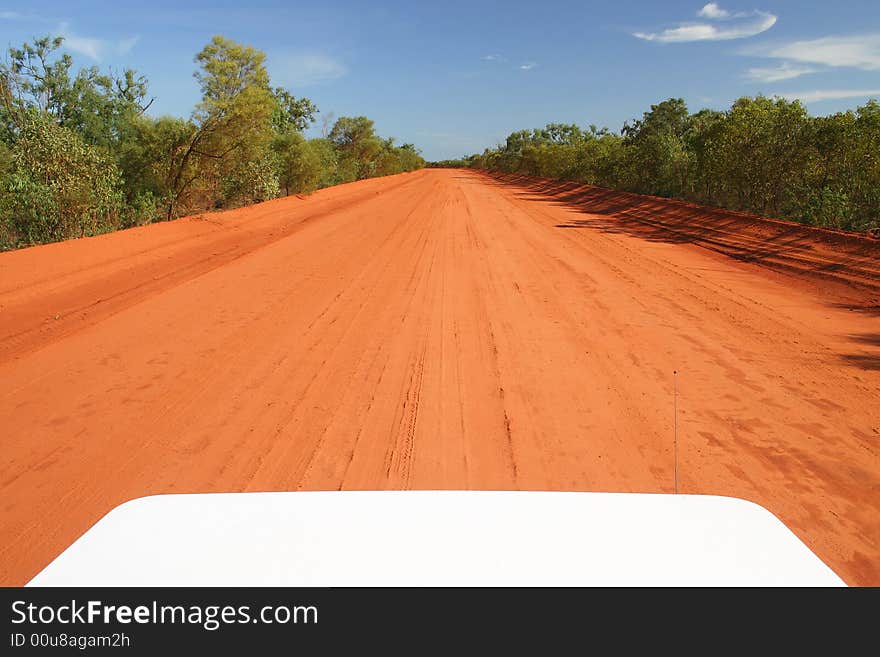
{"points": [[358, 146], [233, 127], [363, 154], [291, 114], [253, 181], [763, 155], [59, 186], [300, 166], [827, 207], [408, 158], [98, 107], [450, 164], [762, 151], [328, 162], [5, 159], [228, 72], [657, 159], [78, 155], [142, 209]]}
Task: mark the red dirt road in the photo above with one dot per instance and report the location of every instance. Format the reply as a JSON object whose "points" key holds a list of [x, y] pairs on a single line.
{"points": [[441, 329]]}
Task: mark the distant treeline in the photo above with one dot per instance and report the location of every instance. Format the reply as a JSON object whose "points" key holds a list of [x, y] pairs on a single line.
{"points": [[765, 156], [449, 164], [80, 156]]}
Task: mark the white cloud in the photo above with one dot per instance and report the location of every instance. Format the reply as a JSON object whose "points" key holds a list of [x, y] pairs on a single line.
{"points": [[126, 45], [751, 24], [94, 48], [18, 16], [778, 73], [830, 94], [494, 58], [861, 51], [306, 69], [528, 66], [86, 46], [713, 11]]}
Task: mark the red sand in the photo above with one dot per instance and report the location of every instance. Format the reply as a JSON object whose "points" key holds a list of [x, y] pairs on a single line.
{"points": [[444, 329]]}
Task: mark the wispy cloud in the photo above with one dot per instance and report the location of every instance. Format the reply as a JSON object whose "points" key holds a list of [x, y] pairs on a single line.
{"points": [[305, 69], [86, 46], [125, 46], [93, 47], [726, 26], [778, 73], [861, 51], [18, 16], [501, 59], [818, 95]]}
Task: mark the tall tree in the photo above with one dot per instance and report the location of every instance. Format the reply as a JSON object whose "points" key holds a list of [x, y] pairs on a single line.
{"points": [[232, 126], [659, 158], [358, 145], [97, 106]]}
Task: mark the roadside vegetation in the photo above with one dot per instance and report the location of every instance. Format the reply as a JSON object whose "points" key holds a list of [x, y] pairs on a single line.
{"points": [[80, 155], [764, 156]]}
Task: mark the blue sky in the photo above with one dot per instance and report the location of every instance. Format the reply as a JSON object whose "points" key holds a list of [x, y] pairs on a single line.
{"points": [[454, 77]]}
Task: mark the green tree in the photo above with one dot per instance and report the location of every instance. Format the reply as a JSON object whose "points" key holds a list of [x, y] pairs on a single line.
{"points": [[358, 146], [79, 155], [231, 128], [702, 139], [291, 113], [99, 107], [328, 159], [658, 156], [864, 188], [59, 186], [762, 151], [762, 155], [299, 163]]}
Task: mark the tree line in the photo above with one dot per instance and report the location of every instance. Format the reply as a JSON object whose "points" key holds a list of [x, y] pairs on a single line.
{"points": [[766, 156], [80, 155]]}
